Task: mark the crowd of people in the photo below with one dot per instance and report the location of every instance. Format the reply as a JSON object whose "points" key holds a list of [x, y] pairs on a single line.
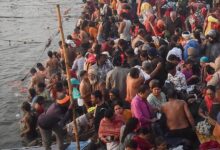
{"points": [[144, 74]]}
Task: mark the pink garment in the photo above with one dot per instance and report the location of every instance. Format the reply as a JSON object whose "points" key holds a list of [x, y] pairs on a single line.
{"points": [[141, 110]]}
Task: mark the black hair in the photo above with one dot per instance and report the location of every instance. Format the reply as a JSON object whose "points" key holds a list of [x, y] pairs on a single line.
{"points": [[148, 38], [134, 72], [82, 73], [143, 88], [39, 65], [156, 83], [116, 61], [170, 66], [143, 130], [69, 37], [50, 54], [130, 126], [119, 103], [40, 100], [26, 106], [33, 70], [211, 87], [97, 94], [173, 57], [59, 86], [171, 93], [109, 113]]}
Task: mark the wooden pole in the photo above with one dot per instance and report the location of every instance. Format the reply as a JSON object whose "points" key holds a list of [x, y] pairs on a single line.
{"points": [[68, 74]]}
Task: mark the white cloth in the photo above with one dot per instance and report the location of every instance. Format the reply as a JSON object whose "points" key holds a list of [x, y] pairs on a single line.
{"points": [[175, 51], [125, 35], [143, 73]]}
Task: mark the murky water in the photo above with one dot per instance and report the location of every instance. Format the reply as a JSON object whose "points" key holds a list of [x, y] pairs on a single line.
{"points": [[25, 27]]}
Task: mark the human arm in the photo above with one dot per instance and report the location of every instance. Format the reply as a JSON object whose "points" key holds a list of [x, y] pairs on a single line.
{"points": [[27, 127], [121, 27], [188, 114], [156, 70]]}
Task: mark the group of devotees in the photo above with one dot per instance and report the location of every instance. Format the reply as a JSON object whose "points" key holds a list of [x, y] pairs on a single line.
{"points": [[145, 75]]}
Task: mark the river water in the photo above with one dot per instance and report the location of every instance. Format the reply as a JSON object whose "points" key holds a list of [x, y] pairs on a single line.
{"points": [[25, 27]]}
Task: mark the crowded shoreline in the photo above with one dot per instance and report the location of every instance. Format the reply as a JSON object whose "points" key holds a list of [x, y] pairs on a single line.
{"points": [[144, 76]]}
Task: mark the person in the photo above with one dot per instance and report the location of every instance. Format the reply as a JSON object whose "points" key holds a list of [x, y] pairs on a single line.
{"points": [[42, 91], [101, 107], [32, 95], [141, 109], [54, 120], [42, 70], [142, 139], [216, 104], [205, 106], [176, 77], [78, 63], [157, 97], [179, 119], [52, 64], [134, 80], [128, 131], [83, 35], [124, 28], [29, 122], [172, 22], [38, 105], [36, 78], [116, 77], [85, 88], [215, 80], [120, 111], [109, 130]]}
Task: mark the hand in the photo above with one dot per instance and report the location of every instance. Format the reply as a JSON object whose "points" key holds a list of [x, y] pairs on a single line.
{"points": [[154, 120]]}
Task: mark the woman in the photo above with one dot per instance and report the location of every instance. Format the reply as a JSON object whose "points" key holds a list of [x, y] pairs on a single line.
{"points": [[120, 111], [206, 105], [215, 80], [128, 131], [157, 97]]}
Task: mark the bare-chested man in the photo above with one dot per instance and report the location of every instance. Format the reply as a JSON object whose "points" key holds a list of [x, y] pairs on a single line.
{"points": [[36, 78], [52, 64], [178, 117]]}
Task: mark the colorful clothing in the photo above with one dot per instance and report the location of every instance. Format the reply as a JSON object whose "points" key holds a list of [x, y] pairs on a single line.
{"points": [[178, 80]]}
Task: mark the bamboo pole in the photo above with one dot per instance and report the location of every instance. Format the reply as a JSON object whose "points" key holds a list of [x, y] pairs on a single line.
{"points": [[68, 74]]}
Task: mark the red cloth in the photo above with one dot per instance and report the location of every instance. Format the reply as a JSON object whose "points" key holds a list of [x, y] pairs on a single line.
{"points": [[143, 144], [208, 103], [209, 145]]}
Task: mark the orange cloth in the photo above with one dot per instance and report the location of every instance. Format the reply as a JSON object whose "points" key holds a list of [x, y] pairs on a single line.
{"points": [[127, 114], [216, 132], [93, 32]]}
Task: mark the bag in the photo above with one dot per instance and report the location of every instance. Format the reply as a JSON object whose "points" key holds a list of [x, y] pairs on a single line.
{"points": [[203, 127]]}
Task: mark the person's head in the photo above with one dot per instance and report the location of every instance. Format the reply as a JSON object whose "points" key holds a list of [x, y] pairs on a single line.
{"points": [[131, 145], [134, 73], [40, 100], [131, 126], [144, 133], [160, 143], [63, 100], [152, 53], [96, 48], [83, 74], [116, 61], [118, 108], [173, 15], [143, 55], [26, 107], [147, 67], [33, 71], [210, 92], [143, 91], [171, 93], [50, 54], [101, 59], [96, 97], [171, 68], [155, 87], [188, 64], [40, 66], [114, 93], [109, 114], [41, 87], [141, 32], [174, 59], [59, 87], [203, 60], [217, 64], [92, 75], [212, 36], [178, 32], [123, 16]]}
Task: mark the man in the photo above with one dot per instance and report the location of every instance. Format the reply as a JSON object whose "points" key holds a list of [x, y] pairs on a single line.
{"points": [[36, 78], [139, 37], [85, 88], [178, 117], [54, 120], [116, 78], [52, 64], [140, 107], [134, 80], [78, 63], [101, 107], [102, 66], [42, 70], [173, 22], [124, 28]]}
